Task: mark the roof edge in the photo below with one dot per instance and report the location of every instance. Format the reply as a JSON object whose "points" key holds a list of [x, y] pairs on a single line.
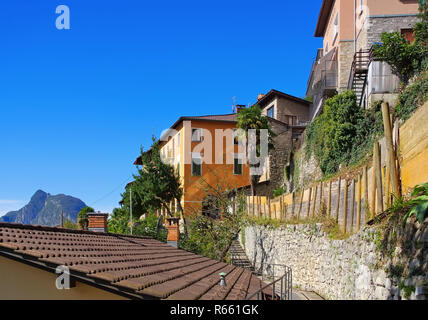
{"points": [[324, 14]]}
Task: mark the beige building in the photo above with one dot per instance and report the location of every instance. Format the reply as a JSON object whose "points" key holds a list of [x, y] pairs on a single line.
{"points": [[349, 29]]}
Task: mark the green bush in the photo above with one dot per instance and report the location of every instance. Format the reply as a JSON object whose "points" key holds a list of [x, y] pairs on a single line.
{"points": [[412, 97], [343, 133]]}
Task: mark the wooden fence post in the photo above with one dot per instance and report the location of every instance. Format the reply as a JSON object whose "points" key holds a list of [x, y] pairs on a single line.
{"points": [[378, 175], [301, 203], [345, 206], [293, 200], [359, 203], [390, 149], [315, 201], [353, 205], [309, 203], [329, 199], [366, 192], [338, 200]]}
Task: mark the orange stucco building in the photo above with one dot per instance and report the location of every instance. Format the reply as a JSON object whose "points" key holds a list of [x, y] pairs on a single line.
{"points": [[204, 152]]}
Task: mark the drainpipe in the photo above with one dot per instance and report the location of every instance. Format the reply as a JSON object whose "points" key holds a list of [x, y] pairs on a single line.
{"points": [[355, 27]]}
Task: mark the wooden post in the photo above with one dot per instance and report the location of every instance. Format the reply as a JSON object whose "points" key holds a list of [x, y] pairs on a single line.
{"points": [[309, 203], [329, 199], [387, 184], [353, 205], [359, 203], [293, 198], [390, 149], [269, 208], [345, 207], [315, 201], [378, 176], [321, 195], [338, 200], [301, 203], [366, 190]]}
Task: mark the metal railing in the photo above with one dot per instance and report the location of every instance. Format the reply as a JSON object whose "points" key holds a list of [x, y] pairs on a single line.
{"points": [[277, 289]]}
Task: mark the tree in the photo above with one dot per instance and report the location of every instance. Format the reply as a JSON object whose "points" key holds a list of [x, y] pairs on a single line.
{"points": [[157, 183], [155, 186], [82, 218], [213, 237], [252, 118], [406, 59]]}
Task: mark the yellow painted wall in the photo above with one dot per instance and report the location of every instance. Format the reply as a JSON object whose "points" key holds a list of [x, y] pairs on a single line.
{"points": [[414, 149], [212, 174], [19, 281]]}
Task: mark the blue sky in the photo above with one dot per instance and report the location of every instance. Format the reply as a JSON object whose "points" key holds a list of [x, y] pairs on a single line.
{"points": [[76, 105]]}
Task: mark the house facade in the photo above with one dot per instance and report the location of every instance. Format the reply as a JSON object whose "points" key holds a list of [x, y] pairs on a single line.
{"points": [[349, 30], [206, 152]]}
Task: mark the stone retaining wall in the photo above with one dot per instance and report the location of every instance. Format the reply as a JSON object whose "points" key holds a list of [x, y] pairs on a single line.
{"points": [[335, 269]]}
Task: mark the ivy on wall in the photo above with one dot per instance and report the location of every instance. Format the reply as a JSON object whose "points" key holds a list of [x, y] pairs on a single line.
{"points": [[344, 133]]}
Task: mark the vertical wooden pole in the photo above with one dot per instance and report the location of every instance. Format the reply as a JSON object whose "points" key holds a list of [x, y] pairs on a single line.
{"points": [[378, 176], [321, 195], [359, 203], [387, 183], [301, 203], [345, 207], [329, 199], [269, 208], [309, 203], [366, 191], [390, 149], [353, 205], [338, 200], [315, 200], [293, 200]]}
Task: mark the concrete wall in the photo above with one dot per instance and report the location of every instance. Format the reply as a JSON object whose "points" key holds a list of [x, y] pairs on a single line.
{"points": [[350, 269], [19, 281]]}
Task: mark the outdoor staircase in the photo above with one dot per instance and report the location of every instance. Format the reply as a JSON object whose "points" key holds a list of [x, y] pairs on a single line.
{"points": [[239, 257], [359, 72]]}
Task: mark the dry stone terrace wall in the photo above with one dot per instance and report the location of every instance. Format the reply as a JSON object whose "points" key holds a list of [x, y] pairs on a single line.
{"points": [[335, 269]]}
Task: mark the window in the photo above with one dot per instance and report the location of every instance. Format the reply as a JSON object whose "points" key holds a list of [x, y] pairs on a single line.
{"points": [[178, 140], [336, 26], [237, 165], [196, 135], [271, 112], [326, 48], [196, 164]]}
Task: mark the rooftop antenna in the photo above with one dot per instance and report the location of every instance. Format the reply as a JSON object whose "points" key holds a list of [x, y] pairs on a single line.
{"points": [[234, 105]]}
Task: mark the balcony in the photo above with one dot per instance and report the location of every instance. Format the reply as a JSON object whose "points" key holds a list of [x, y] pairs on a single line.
{"points": [[323, 81]]}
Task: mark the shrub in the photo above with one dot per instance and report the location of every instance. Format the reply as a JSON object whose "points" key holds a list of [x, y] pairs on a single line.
{"points": [[412, 97], [343, 133]]}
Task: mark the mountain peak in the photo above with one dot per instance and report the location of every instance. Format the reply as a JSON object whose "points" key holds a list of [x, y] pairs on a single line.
{"points": [[44, 209]]}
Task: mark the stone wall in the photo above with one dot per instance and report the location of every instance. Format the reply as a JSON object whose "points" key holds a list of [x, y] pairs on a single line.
{"points": [[351, 269]]}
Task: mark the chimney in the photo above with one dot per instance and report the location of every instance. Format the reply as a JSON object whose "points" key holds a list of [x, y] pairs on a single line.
{"points": [[260, 96], [98, 222], [173, 231]]}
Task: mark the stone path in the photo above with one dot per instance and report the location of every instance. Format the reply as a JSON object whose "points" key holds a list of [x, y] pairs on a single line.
{"points": [[238, 256]]}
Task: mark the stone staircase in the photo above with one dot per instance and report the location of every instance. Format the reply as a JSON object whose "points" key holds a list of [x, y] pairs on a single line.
{"points": [[238, 256]]}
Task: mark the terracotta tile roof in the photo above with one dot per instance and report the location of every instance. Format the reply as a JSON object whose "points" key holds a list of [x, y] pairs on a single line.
{"points": [[142, 267]]}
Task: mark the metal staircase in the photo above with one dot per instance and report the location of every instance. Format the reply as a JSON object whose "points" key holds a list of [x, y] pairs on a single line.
{"points": [[359, 72]]}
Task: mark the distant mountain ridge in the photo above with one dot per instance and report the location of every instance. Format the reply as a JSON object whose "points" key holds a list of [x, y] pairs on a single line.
{"points": [[45, 209]]}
